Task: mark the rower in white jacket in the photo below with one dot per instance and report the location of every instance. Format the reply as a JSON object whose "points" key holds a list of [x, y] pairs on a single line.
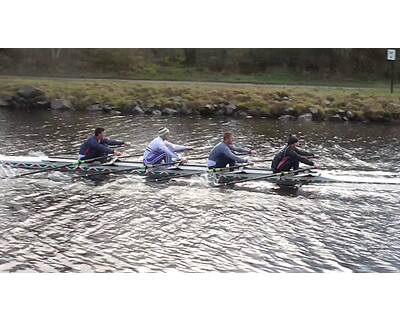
{"points": [[161, 150]]}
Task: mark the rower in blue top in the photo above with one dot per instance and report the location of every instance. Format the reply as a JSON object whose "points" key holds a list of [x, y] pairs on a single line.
{"points": [[98, 146], [223, 153]]}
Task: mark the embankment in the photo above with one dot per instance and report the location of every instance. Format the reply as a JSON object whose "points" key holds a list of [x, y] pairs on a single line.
{"points": [[157, 98]]}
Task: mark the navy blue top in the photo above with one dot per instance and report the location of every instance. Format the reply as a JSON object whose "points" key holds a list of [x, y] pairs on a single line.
{"points": [[290, 154], [92, 148]]}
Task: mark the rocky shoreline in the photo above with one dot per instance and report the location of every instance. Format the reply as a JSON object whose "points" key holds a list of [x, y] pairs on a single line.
{"points": [[32, 98]]}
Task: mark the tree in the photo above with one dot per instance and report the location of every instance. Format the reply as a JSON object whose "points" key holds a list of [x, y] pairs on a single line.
{"points": [[190, 57], [55, 53]]}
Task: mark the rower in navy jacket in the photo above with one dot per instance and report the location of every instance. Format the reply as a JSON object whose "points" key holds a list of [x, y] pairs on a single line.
{"points": [[291, 156], [97, 146], [223, 153]]}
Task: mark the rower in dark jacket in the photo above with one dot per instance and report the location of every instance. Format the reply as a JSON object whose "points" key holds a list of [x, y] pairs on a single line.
{"points": [[97, 146], [290, 157]]}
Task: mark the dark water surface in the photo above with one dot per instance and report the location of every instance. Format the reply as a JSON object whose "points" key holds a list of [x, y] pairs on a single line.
{"points": [[50, 223]]}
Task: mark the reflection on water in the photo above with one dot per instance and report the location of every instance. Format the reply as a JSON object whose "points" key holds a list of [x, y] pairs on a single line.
{"points": [[53, 223]]}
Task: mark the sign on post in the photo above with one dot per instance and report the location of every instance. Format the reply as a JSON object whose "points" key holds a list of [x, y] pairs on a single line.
{"points": [[391, 54]]}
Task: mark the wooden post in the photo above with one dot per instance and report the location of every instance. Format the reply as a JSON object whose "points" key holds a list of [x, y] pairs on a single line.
{"points": [[391, 56], [392, 80]]}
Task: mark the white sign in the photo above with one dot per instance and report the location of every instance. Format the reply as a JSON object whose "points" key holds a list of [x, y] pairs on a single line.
{"points": [[391, 54]]}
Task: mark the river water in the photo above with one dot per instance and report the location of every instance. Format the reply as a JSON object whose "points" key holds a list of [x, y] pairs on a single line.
{"points": [[52, 223]]}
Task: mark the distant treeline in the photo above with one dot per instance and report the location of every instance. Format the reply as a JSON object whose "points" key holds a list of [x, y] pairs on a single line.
{"points": [[361, 64]]}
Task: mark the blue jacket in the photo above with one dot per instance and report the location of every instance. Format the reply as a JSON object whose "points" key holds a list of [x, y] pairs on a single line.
{"points": [[224, 151], [92, 148]]}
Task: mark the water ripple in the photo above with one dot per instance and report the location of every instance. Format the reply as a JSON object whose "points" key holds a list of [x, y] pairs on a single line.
{"points": [[51, 223]]}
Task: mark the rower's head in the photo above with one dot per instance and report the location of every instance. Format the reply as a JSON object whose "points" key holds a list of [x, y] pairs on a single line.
{"points": [[100, 133], [163, 133], [229, 137], [293, 141]]}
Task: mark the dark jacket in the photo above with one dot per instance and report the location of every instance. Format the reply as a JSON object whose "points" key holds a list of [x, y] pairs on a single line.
{"points": [[92, 148], [291, 154]]}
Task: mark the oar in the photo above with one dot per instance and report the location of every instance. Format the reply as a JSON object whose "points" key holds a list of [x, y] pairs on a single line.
{"points": [[74, 154], [205, 157], [134, 155], [197, 158], [262, 160], [77, 163], [62, 154], [271, 159], [215, 170], [177, 176], [286, 173]]}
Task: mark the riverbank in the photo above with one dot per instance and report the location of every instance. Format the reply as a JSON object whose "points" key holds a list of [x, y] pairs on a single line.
{"points": [[158, 98]]}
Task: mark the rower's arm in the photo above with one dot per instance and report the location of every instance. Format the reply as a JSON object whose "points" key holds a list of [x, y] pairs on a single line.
{"points": [[100, 147], [170, 152], [228, 153], [239, 149], [306, 161], [293, 153], [111, 142], [304, 153], [176, 147]]}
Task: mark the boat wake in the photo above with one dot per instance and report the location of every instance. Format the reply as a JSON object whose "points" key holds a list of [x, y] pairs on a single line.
{"points": [[7, 171], [370, 177]]}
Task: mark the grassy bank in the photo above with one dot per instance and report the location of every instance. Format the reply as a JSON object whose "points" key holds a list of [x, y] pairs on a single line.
{"points": [[272, 99], [279, 76]]}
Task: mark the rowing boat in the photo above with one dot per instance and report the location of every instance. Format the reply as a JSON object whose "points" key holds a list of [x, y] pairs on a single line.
{"points": [[162, 173], [44, 162]]}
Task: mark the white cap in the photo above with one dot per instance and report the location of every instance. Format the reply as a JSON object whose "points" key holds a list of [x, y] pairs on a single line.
{"points": [[163, 131]]}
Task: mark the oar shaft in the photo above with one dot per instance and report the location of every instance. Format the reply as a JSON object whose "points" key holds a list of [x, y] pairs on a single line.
{"points": [[134, 155], [262, 160], [224, 169], [177, 176], [271, 159], [198, 158]]}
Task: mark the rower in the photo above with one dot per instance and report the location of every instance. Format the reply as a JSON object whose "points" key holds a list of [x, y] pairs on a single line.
{"points": [[97, 146], [291, 156], [160, 150], [223, 153]]}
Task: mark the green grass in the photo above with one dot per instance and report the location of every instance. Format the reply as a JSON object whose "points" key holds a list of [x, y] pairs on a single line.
{"points": [[194, 94], [171, 73]]}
